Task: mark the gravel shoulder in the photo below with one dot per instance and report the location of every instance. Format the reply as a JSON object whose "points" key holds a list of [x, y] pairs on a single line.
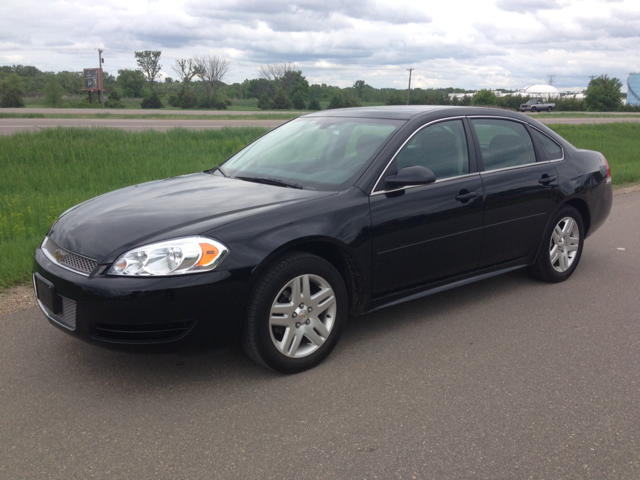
{"points": [[21, 298]]}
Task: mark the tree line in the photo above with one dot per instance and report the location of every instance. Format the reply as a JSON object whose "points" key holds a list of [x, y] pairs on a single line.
{"points": [[199, 83]]}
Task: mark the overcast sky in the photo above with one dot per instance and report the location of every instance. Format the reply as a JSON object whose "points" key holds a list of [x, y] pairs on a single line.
{"points": [[469, 44]]}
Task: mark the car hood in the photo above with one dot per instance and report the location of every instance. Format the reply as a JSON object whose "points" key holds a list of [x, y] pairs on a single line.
{"points": [[110, 224]]}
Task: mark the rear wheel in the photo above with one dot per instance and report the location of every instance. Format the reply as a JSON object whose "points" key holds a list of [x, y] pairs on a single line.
{"points": [[549, 109], [562, 247], [296, 313]]}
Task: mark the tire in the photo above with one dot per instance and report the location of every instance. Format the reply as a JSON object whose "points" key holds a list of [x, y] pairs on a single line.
{"points": [[295, 314], [549, 109], [534, 109], [561, 247]]}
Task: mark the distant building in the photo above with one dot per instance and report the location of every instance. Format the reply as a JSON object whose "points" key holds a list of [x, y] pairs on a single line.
{"points": [[544, 91], [633, 89]]}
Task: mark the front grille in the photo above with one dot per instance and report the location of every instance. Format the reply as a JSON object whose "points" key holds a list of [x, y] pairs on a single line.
{"points": [[145, 333], [67, 317], [68, 259]]}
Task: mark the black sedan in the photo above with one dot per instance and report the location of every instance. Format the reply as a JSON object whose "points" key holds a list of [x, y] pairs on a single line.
{"points": [[335, 213]]}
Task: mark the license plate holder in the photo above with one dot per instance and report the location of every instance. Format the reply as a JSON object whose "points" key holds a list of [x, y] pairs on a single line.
{"points": [[46, 293]]}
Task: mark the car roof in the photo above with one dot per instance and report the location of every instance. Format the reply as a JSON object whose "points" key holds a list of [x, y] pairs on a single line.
{"points": [[397, 112], [408, 112]]}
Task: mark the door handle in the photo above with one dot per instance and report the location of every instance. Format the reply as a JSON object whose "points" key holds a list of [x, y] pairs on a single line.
{"points": [[546, 180], [464, 197]]}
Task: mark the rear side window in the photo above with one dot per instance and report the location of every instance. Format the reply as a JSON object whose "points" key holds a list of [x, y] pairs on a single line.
{"points": [[504, 144], [551, 148]]}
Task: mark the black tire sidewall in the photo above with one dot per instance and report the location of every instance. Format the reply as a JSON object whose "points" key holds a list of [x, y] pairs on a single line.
{"points": [[270, 285]]}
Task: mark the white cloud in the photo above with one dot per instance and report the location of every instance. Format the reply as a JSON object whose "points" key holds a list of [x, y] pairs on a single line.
{"points": [[487, 43]]}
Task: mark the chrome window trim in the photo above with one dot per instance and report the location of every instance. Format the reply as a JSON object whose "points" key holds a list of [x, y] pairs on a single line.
{"points": [[444, 180], [471, 117], [516, 167], [53, 259], [484, 171], [440, 120]]}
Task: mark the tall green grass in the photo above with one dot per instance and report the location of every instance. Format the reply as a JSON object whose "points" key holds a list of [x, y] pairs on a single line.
{"points": [[618, 142], [44, 173]]}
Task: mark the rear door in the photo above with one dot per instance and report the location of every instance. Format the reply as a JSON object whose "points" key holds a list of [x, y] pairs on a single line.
{"points": [[519, 190]]}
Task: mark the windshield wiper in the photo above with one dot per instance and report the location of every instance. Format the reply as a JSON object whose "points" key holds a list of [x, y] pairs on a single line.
{"points": [[271, 181]]}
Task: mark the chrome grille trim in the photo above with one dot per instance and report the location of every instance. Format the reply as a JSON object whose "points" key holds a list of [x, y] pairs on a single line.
{"points": [[66, 259], [66, 318]]}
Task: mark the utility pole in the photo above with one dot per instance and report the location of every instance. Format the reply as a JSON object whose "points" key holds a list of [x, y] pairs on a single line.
{"points": [[100, 62], [409, 90]]}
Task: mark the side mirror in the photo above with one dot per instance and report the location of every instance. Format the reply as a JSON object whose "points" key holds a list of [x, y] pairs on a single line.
{"points": [[415, 175]]}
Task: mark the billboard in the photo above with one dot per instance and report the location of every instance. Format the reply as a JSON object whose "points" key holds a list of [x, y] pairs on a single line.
{"points": [[93, 79]]}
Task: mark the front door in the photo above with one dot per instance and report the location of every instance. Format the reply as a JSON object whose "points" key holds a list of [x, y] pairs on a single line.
{"points": [[429, 232]]}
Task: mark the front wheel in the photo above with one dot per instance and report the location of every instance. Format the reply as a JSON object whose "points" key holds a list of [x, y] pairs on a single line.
{"points": [[295, 314], [533, 109], [562, 247]]}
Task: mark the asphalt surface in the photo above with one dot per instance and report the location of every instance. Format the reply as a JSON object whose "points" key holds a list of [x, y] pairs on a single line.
{"points": [[509, 378], [9, 126]]}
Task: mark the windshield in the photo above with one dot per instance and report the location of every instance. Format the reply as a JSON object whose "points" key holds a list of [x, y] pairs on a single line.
{"points": [[316, 153]]}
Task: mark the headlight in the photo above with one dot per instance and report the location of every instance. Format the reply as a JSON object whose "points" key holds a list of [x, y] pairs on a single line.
{"points": [[171, 257]]}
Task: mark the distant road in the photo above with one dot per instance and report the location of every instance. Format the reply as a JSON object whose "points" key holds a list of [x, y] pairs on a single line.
{"points": [[9, 126], [117, 111], [13, 125]]}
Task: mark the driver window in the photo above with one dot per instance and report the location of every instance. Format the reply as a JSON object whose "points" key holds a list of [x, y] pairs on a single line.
{"points": [[441, 147]]}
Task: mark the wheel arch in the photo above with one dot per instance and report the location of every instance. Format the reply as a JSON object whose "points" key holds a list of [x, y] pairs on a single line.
{"points": [[583, 209], [332, 251]]}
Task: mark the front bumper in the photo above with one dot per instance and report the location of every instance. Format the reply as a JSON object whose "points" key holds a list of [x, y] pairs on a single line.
{"points": [[201, 310]]}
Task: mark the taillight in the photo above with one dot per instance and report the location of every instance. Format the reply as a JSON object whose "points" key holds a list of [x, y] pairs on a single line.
{"points": [[608, 169]]}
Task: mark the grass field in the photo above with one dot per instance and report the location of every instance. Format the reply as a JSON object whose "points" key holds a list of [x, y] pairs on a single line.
{"points": [[156, 116], [618, 142], [46, 172]]}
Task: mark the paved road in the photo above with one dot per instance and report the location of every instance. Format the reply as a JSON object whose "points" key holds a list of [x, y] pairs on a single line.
{"points": [[504, 379], [118, 111], [9, 126]]}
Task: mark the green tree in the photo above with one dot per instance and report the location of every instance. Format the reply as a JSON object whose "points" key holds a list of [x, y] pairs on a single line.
{"points": [[314, 104], [72, 82], [293, 82], [394, 98], [484, 98], [299, 101], [131, 82], [149, 63], [359, 86], [11, 91], [53, 92], [151, 101], [603, 94], [281, 100]]}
